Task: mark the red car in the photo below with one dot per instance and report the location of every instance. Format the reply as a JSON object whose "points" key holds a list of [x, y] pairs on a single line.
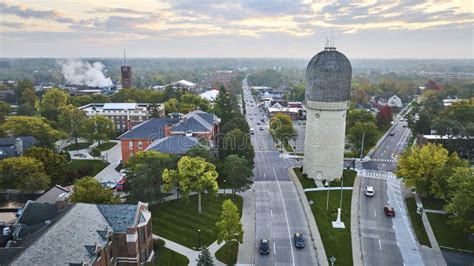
{"points": [[389, 211], [121, 184]]}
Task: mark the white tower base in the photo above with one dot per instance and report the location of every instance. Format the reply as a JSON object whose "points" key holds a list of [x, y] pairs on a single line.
{"points": [[338, 223]]}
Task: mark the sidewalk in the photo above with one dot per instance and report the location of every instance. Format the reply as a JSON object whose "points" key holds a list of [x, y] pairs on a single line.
{"points": [[355, 230], [247, 248], [435, 256], [191, 254]]}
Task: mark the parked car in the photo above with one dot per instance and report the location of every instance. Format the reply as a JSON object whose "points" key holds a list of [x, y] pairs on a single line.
{"points": [[392, 133], [369, 191], [261, 128], [299, 240], [109, 184], [121, 184], [264, 246], [258, 123], [389, 211]]}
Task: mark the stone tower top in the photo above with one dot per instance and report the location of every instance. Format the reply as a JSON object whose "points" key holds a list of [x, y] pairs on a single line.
{"points": [[328, 77]]}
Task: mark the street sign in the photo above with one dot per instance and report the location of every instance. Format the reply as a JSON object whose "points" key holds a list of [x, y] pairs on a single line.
{"points": [[332, 259]]}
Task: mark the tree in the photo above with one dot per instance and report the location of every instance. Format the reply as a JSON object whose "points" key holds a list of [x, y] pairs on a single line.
{"points": [[203, 152], [89, 190], [423, 124], [26, 97], [223, 105], [238, 173], [32, 126], [4, 110], [51, 102], [359, 115], [229, 227], [359, 131], [144, 174], [23, 173], [281, 127], [237, 142], [171, 106], [427, 168], [54, 164], [72, 121], [205, 257], [99, 128], [460, 205], [384, 117], [192, 174]]}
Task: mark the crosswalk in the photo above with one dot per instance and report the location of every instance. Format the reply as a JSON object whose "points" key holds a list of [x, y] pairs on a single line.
{"points": [[383, 160], [378, 174]]}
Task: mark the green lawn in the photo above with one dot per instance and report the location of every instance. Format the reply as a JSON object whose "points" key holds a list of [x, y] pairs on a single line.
{"points": [[79, 146], [167, 257], [434, 204], [95, 166], [228, 253], [305, 182], [177, 221], [448, 235], [337, 242], [106, 146], [417, 222], [349, 177]]}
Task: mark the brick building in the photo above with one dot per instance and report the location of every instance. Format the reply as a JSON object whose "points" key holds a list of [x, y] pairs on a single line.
{"points": [[124, 115], [81, 233], [161, 134]]}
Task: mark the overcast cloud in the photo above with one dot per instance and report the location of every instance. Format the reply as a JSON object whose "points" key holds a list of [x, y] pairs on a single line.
{"points": [[237, 28]]}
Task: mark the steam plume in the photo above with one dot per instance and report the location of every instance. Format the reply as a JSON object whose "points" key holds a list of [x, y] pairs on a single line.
{"points": [[84, 73]]}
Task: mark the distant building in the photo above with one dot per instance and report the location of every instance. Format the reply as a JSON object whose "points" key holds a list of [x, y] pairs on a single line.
{"points": [[80, 234], [210, 95], [15, 146], [124, 115], [174, 135], [450, 100], [390, 99], [294, 112], [126, 74]]}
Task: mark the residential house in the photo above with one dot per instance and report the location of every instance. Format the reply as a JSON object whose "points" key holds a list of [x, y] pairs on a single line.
{"points": [[174, 135], [390, 99], [15, 146], [124, 115], [210, 95], [80, 234]]}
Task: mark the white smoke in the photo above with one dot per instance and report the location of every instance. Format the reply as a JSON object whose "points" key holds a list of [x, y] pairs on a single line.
{"points": [[80, 72]]}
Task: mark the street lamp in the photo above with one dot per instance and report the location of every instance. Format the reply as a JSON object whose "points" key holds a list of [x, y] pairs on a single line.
{"points": [[362, 148], [224, 187], [199, 239]]}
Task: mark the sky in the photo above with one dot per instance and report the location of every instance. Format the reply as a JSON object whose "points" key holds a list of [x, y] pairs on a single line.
{"points": [[237, 28]]}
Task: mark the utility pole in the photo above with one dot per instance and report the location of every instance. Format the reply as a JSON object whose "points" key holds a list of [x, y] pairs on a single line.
{"points": [[362, 148]]}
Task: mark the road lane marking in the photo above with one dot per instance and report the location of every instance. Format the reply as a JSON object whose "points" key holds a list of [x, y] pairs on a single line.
{"points": [[286, 217], [375, 214], [271, 213], [274, 248], [380, 245]]}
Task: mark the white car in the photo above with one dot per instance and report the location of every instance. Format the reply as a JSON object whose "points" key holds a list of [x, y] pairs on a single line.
{"points": [[369, 191]]}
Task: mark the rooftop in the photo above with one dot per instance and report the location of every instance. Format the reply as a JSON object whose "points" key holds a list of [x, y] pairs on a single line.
{"points": [[151, 129], [175, 144]]}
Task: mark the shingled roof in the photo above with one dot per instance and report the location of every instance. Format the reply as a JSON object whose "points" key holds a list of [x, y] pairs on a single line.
{"points": [[151, 129], [196, 121], [175, 144]]}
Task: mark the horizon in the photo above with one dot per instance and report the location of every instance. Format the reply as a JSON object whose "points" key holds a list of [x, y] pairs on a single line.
{"points": [[369, 29]]}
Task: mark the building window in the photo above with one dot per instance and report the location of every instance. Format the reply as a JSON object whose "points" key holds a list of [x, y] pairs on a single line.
{"points": [[130, 145], [140, 145]]}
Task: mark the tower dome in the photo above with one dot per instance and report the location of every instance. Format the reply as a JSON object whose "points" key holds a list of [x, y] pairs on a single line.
{"points": [[328, 77]]}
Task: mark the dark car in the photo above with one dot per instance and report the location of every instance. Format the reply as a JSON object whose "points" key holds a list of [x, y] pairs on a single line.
{"points": [[389, 211], [392, 133], [299, 240], [264, 246]]}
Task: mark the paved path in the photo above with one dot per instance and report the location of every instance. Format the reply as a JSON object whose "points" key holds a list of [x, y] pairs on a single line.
{"points": [[435, 256], [355, 231], [191, 254], [247, 248], [434, 211], [326, 188]]}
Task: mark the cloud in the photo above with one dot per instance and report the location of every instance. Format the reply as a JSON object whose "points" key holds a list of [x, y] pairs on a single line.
{"points": [[24, 12], [119, 10]]}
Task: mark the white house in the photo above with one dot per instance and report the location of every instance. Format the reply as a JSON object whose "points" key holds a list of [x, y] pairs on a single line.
{"points": [[210, 95], [390, 99]]}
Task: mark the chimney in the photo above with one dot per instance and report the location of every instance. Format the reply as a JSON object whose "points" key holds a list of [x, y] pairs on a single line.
{"points": [[63, 200], [19, 146], [167, 130]]}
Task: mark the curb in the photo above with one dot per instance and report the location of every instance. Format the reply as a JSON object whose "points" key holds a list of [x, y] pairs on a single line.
{"points": [[313, 227], [357, 256]]}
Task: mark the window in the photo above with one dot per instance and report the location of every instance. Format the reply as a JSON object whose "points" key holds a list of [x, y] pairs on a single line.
{"points": [[140, 145], [130, 145]]}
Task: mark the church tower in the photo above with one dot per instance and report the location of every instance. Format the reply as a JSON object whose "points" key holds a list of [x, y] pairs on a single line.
{"points": [[328, 84]]}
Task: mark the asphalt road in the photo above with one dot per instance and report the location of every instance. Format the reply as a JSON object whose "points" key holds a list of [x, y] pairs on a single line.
{"points": [[279, 213], [385, 240]]}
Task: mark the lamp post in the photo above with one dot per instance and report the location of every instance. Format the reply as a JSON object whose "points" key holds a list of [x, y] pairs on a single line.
{"points": [[327, 184], [199, 239], [342, 184], [224, 187]]}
